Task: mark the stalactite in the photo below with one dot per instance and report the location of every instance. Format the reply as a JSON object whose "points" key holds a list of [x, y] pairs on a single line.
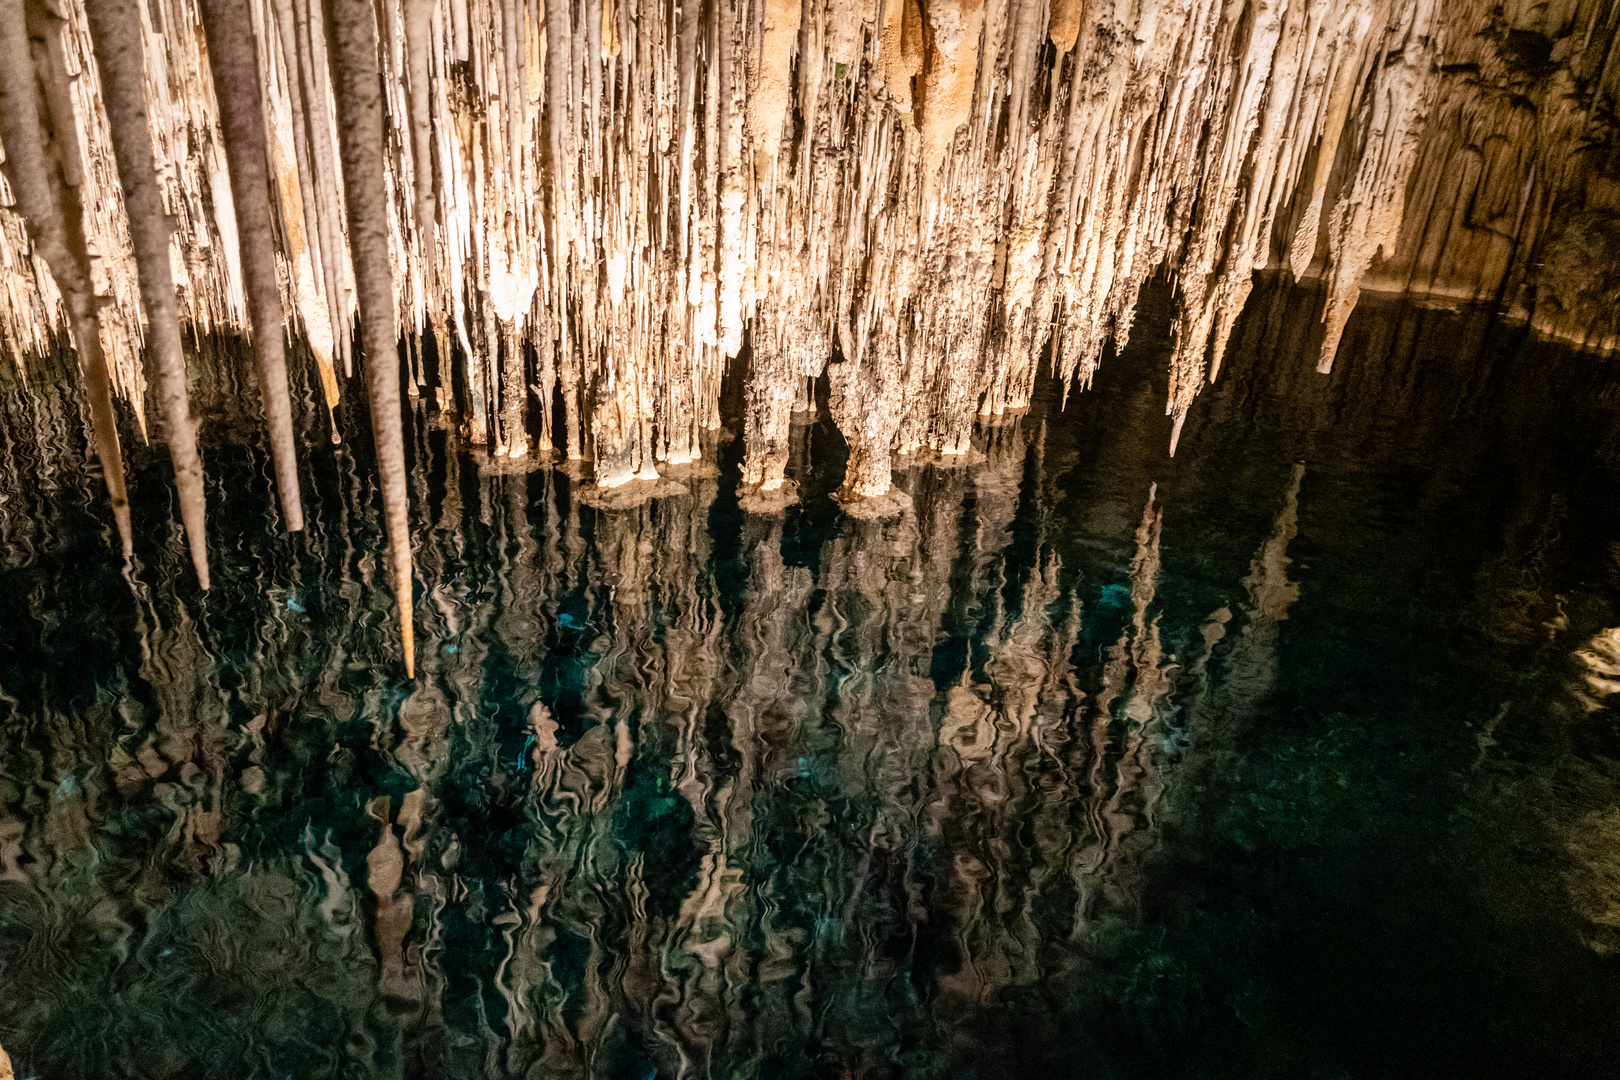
{"points": [[418, 44], [118, 35], [300, 218], [317, 96], [360, 136], [1367, 218], [620, 205], [229, 28]]}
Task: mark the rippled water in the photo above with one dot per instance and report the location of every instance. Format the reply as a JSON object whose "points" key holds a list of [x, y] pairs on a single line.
{"points": [[1291, 756]]}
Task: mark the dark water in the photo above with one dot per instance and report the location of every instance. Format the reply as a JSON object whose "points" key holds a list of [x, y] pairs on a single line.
{"points": [[1291, 756]]}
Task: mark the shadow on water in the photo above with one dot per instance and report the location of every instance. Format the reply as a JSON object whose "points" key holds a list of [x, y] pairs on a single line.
{"points": [[1294, 755]]}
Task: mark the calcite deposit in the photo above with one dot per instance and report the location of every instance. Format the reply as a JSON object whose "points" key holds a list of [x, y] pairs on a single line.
{"points": [[566, 221]]}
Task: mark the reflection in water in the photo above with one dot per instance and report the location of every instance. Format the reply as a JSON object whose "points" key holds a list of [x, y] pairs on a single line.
{"points": [[1002, 786], [1601, 659]]}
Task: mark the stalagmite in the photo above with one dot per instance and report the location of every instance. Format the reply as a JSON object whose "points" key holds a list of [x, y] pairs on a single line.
{"points": [[360, 135], [116, 29], [229, 26]]}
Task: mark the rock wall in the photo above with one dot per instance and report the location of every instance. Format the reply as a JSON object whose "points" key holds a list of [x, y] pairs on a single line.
{"points": [[1514, 195], [614, 203]]}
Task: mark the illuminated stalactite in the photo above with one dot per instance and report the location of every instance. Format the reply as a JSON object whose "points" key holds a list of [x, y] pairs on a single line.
{"points": [[356, 87], [116, 30], [45, 175], [230, 52], [618, 203]]}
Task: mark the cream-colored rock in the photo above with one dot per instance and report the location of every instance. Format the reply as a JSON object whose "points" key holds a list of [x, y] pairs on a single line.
{"points": [[620, 204]]}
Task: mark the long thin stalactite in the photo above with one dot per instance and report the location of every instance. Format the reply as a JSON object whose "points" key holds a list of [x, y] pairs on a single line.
{"points": [[115, 27], [359, 107], [229, 27]]}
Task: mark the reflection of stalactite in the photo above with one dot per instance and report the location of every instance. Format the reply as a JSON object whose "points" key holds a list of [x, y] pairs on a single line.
{"points": [[1171, 709], [996, 737], [1252, 663], [1218, 709], [1122, 813], [677, 787]]}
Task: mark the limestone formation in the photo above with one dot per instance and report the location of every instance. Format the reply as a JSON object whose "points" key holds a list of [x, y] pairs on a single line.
{"points": [[584, 216]]}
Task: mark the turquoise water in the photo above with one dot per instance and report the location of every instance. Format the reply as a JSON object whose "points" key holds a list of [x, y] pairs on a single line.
{"points": [[1293, 755]]}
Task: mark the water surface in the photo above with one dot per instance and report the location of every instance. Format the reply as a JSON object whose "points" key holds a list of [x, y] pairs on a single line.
{"points": [[1293, 755]]}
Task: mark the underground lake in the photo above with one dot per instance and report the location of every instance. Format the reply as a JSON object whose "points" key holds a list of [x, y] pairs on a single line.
{"points": [[1294, 754]]}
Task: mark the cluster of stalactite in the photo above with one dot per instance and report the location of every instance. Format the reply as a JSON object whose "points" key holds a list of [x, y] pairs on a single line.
{"points": [[610, 203]]}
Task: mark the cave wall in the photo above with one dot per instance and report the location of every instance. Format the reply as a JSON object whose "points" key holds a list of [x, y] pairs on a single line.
{"points": [[616, 203], [1515, 192]]}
